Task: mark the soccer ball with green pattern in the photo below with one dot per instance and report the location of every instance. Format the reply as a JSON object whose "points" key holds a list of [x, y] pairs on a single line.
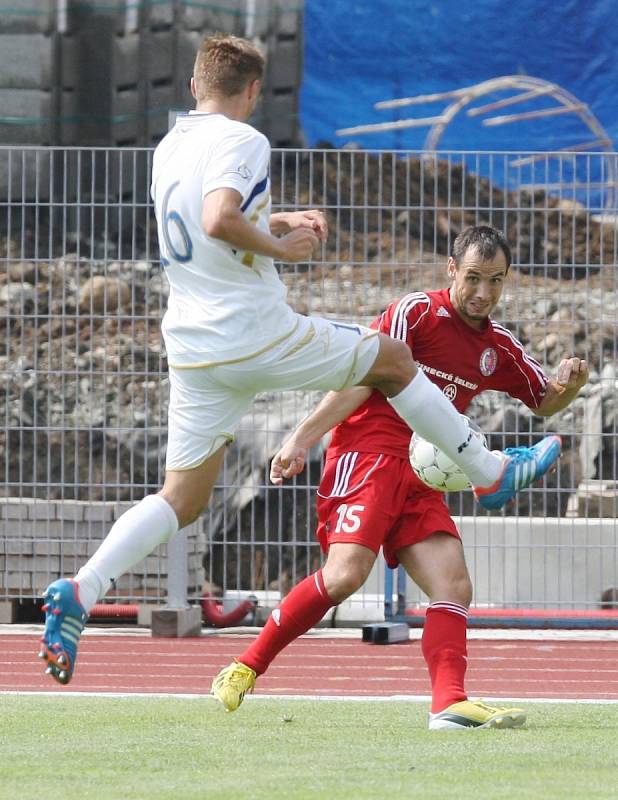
{"points": [[434, 468]]}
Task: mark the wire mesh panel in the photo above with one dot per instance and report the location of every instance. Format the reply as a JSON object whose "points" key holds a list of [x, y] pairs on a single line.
{"points": [[84, 390]]}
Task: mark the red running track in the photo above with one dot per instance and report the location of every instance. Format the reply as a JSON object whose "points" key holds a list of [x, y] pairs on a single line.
{"points": [[319, 666]]}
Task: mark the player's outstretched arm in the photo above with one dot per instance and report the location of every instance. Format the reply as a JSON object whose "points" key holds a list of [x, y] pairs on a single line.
{"points": [[283, 222], [330, 411], [561, 391], [223, 219]]}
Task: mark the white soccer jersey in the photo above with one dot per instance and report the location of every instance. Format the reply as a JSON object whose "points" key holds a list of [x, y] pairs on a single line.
{"points": [[223, 304]]}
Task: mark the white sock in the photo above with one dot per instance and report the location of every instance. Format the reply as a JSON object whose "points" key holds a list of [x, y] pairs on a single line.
{"points": [[428, 412], [132, 537]]}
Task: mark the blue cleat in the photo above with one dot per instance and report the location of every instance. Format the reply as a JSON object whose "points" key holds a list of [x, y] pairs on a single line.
{"points": [[65, 618], [523, 467]]}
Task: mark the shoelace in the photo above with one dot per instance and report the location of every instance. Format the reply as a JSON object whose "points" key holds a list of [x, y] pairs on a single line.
{"points": [[485, 707], [520, 454], [237, 678], [525, 463]]}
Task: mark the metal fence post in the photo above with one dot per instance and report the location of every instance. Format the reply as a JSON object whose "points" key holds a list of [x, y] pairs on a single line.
{"points": [[177, 617], [177, 571]]}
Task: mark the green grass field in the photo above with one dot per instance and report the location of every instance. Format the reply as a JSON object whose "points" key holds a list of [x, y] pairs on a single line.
{"points": [[149, 749]]}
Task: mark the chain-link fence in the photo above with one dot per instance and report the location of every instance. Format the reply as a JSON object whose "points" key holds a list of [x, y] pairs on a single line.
{"points": [[84, 387]]}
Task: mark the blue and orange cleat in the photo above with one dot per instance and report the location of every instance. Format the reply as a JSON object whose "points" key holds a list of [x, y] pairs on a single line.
{"points": [[65, 618], [523, 466]]}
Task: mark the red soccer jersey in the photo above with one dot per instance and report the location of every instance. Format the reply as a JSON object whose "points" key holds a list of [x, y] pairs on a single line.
{"points": [[461, 360]]}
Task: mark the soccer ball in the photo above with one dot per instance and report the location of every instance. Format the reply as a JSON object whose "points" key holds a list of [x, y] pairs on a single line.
{"points": [[434, 468]]}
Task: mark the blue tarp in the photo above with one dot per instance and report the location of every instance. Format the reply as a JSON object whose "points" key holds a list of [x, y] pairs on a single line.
{"points": [[358, 52]]}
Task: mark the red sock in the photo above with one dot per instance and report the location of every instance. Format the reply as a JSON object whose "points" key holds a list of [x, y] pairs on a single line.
{"points": [[444, 650], [300, 610]]}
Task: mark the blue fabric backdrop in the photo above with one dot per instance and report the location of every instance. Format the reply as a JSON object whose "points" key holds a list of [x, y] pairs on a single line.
{"points": [[360, 51]]}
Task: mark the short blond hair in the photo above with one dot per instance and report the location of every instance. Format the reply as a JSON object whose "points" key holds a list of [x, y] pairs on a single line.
{"points": [[225, 65]]}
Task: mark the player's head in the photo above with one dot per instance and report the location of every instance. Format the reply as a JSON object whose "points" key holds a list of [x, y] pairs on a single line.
{"points": [[227, 68], [478, 265]]}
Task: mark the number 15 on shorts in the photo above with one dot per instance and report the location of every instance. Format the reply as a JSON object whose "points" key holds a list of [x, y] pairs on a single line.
{"points": [[348, 520]]}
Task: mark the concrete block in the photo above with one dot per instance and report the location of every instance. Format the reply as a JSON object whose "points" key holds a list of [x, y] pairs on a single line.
{"points": [[144, 614], [186, 49], [49, 548], [160, 101], [70, 62], [177, 622], [288, 18], [284, 65], [73, 549], [92, 545], [12, 528], [24, 173], [28, 16], [18, 581], [27, 61], [98, 511], [159, 55], [23, 562], [531, 561], [41, 509], [69, 510], [16, 529], [94, 532], [8, 611], [597, 498], [386, 632], [34, 117], [117, 16], [226, 16], [110, 102], [67, 129], [18, 547], [160, 14], [278, 118], [261, 22], [12, 509], [123, 61], [123, 124]]}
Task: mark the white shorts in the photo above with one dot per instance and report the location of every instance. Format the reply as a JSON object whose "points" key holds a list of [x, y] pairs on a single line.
{"points": [[207, 403]]}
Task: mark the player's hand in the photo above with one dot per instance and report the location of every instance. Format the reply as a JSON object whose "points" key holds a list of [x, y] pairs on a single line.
{"points": [[287, 463], [572, 373], [298, 245], [313, 219]]}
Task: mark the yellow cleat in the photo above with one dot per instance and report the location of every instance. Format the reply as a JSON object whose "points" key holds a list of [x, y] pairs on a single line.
{"points": [[476, 714], [232, 684]]}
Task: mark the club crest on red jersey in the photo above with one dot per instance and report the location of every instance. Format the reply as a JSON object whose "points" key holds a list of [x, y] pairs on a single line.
{"points": [[450, 391], [488, 362]]}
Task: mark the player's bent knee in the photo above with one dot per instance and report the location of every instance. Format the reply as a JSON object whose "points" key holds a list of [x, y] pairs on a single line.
{"points": [[394, 367], [466, 593], [343, 582], [457, 590]]}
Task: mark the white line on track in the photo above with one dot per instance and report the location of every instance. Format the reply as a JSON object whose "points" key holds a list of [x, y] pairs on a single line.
{"points": [[403, 698], [543, 634]]}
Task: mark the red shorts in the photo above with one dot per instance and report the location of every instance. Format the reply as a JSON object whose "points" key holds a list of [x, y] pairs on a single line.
{"points": [[377, 501]]}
